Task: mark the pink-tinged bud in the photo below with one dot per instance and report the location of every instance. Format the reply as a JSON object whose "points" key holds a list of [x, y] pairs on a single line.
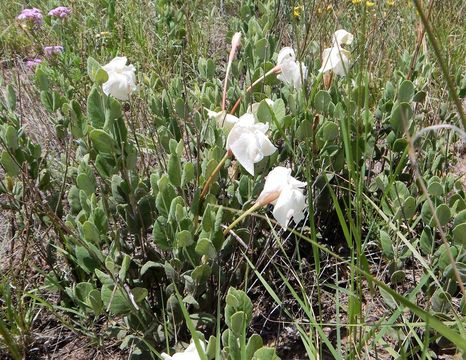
{"points": [[235, 40]]}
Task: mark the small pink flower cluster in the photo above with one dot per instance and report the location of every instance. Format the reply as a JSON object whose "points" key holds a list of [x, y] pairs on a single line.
{"points": [[60, 12], [31, 64], [53, 50], [33, 15]]}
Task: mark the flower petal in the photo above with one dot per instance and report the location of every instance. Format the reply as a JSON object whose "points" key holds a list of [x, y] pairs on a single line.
{"points": [[290, 204], [265, 145], [117, 86], [342, 37], [285, 54], [117, 63], [244, 149], [275, 181]]}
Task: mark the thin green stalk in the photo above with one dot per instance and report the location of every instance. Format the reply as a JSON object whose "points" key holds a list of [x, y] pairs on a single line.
{"points": [[442, 63]]}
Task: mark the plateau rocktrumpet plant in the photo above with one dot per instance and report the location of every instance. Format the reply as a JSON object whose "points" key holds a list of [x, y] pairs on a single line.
{"points": [[121, 78], [284, 192], [248, 143], [288, 70], [235, 42], [336, 58], [291, 72], [190, 353]]}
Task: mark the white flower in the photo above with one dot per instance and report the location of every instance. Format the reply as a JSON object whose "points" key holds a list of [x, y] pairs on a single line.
{"points": [[121, 78], [290, 68], [342, 37], [223, 119], [252, 109], [189, 354], [286, 193], [248, 142], [336, 58]]}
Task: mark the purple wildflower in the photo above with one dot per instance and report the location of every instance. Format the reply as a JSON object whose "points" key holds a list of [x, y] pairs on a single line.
{"points": [[60, 12], [33, 15], [31, 64], [53, 50]]}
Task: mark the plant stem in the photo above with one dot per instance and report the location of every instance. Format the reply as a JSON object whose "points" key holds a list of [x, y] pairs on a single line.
{"points": [[253, 208], [274, 70], [205, 189], [443, 65]]}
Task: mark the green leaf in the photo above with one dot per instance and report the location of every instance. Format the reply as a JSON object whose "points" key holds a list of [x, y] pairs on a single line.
{"points": [[435, 188], [174, 170], [265, 353], [95, 71], [11, 167], [11, 138], [85, 260], [402, 114], [426, 241], [95, 109], [201, 273], [409, 207], [406, 92], [386, 244], [86, 183], [261, 48], [279, 109], [90, 232], [10, 98], [254, 343], [124, 267], [459, 234], [330, 131], [264, 113], [102, 141], [180, 107], [460, 218], [205, 247], [443, 214], [115, 301], [237, 323], [322, 101], [94, 301], [188, 174], [184, 239], [82, 290]]}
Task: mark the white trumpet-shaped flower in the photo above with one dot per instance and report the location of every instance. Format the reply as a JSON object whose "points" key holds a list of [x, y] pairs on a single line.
{"points": [[223, 119], [248, 142], [189, 354], [336, 58], [252, 109], [286, 194], [292, 72], [342, 37], [121, 78]]}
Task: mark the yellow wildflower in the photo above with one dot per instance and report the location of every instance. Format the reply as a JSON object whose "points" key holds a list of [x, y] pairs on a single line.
{"points": [[356, 1], [391, 2], [297, 10], [370, 3], [329, 7]]}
